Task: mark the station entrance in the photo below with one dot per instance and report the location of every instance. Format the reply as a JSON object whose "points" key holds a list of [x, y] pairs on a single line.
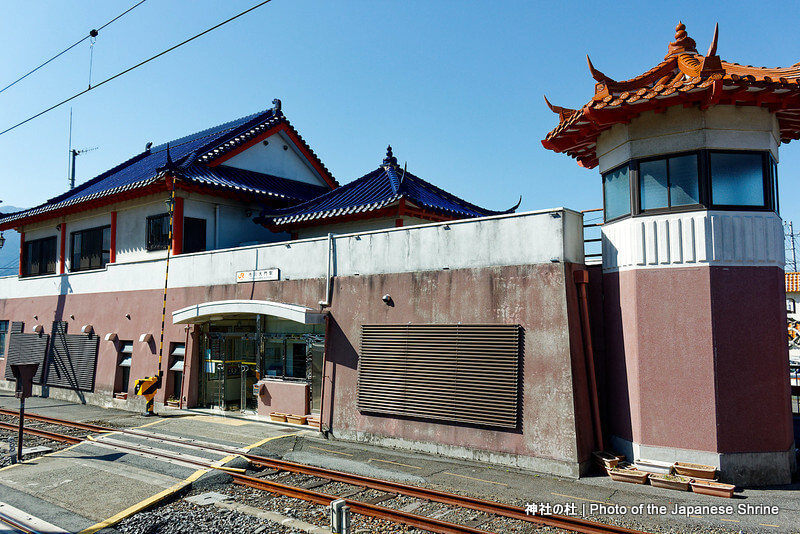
{"points": [[243, 342], [232, 362]]}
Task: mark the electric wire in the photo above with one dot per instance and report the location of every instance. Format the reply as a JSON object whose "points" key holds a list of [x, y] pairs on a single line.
{"points": [[126, 71], [72, 46]]}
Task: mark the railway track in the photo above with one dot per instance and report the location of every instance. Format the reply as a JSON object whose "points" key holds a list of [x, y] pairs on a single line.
{"points": [[348, 486]]}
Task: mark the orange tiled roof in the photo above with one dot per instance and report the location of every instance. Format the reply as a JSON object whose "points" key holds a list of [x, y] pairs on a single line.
{"points": [[792, 282], [684, 77]]}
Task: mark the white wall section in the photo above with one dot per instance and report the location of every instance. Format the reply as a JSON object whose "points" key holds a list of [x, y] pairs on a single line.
{"points": [[726, 238], [515, 239]]}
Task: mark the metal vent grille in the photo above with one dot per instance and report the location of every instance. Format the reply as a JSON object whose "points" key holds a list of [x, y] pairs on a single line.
{"points": [[72, 360], [465, 373], [26, 348], [17, 327]]}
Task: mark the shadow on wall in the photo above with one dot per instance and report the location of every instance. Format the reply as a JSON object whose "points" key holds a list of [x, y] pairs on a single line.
{"points": [[339, 352], [614, 365], [520, 384]]}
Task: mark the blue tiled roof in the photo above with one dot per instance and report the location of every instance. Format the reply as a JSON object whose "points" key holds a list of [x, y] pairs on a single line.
{"points": [[145, 168], [380, 188], [231, 178]]}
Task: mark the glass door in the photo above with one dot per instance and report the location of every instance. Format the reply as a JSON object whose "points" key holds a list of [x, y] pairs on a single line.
{"points": [[317, 349]]}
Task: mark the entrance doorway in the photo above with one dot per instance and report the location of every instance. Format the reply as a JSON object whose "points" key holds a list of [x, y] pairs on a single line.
{"points": [[232, 363], [228, 371]]}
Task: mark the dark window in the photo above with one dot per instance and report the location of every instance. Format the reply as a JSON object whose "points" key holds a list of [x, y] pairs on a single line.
{"points": [[617, 193], [669, 182], [737, 179], [3, 332], [39, 257], [285, 357], [790, 305], [177, 355], [125, 360], [296, 366], [194, 234], [158, 232], [706, 179], [90, 248]]}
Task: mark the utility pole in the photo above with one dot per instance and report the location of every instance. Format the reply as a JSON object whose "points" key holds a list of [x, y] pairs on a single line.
{"points": [[791, 246]]}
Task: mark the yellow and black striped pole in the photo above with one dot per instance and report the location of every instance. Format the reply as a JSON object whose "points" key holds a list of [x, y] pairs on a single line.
{"points": [[147, 387]]}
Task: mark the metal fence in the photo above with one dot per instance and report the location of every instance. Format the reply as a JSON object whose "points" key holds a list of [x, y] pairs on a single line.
{"points": [[592, 221]]}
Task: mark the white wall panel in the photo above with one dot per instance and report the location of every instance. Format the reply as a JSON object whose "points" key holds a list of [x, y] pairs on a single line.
{"points": [[517, 239], [680, 239]]}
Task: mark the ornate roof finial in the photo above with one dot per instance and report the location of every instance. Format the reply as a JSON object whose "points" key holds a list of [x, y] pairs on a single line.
{"points": [[683, 43], [170, 163], [712, 50], [389, 159], [276, 105], [561, 111], [596, 74]]}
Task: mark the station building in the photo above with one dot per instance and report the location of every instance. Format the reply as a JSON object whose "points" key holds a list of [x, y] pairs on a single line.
{"points": [[393, 310], [402, 315]]}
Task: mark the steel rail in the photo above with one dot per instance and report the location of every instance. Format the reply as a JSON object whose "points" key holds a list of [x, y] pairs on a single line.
{"points": [[17, 525], [63, 422], [379, 512], [575, 524], [72, 440]]}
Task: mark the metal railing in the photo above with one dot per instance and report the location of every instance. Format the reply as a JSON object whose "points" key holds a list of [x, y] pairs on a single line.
{"points": [[591, 237]]}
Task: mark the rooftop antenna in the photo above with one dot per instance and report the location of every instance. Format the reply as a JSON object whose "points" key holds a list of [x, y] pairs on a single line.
{"points": [[74, 153]]}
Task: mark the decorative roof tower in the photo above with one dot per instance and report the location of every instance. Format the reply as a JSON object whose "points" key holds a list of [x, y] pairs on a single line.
{"points": [[682, 78], [693, 285]]}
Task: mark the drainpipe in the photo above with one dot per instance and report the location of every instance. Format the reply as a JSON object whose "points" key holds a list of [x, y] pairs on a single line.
{"points": [[581, 278], [325, 428], [327, 302]]}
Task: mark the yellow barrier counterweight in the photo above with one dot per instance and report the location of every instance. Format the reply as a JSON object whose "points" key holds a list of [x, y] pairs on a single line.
{"points": [[147, 388]]}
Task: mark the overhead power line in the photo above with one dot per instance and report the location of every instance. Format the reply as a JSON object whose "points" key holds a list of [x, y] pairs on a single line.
{"points": [[92, 33], [126, 71]]}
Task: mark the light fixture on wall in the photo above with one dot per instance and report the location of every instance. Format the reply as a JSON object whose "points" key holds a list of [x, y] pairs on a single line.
{"points": [[58, 227], [111, 336], [128, 316], [2, 240], [387, 299], [38, 328], [87, 329], [35, 317], [216, 318], [145, 338], [72, 317]]}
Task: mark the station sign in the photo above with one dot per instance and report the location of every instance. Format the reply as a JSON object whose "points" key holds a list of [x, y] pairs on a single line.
{"points": [[261, 275]]}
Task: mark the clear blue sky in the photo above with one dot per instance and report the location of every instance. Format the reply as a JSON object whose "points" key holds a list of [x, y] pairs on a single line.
{"points": [[455, 87]]}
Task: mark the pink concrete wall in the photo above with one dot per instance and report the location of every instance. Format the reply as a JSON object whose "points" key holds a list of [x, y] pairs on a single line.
{"points": [[752, 363], [541, 298], [555, 420], [700, 349], [282, 397]]}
